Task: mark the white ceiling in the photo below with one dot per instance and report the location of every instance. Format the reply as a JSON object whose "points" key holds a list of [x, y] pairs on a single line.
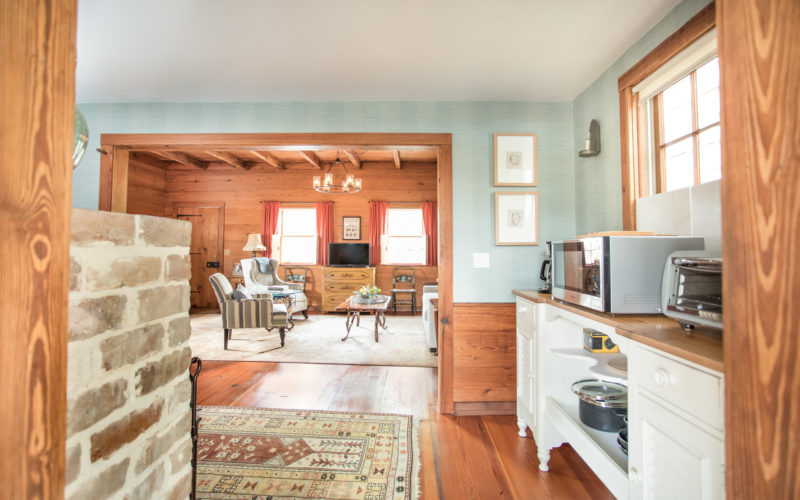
{"points": [[352, 50]]}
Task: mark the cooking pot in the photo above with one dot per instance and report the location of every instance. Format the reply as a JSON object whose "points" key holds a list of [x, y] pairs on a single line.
{"points": [[603, 405]]}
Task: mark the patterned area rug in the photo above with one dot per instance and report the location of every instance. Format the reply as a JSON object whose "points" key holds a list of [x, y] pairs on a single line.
{"points": [[252, 453]]}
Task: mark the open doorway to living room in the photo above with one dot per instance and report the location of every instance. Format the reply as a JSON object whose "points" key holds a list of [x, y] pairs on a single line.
{"points": [[313, 221]]}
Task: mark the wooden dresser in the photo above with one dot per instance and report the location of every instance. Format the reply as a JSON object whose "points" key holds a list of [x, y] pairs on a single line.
{"points": [[338, 283]]}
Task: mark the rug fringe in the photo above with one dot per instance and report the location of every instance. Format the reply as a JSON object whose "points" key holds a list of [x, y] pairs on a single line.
{"points": [[417, 493]]}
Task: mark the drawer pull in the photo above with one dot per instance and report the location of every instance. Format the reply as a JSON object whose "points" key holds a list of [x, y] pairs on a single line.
{"points": [[661, 377]]}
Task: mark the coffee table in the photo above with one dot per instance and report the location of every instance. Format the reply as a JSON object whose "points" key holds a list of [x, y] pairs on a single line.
{"points": [[354, 311]]}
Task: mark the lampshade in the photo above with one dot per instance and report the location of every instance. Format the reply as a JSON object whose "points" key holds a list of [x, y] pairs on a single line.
{"points": [[254, 243]]}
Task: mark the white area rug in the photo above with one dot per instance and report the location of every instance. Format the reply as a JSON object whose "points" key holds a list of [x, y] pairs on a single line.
{"points": [[317, 340]]}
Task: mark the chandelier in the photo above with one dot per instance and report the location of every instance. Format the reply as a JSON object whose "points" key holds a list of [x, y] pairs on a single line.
{"points": [[332, 183]]}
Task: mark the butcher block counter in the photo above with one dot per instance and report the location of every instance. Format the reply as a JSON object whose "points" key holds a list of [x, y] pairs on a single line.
{"points": [[702, 346]]}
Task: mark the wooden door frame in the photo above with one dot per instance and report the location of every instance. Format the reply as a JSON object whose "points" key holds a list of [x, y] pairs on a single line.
{"points": [[114, 168], [221, 230]]}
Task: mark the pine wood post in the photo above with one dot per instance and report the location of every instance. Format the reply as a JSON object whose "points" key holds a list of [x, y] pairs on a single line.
{"points": [[37, 99]]}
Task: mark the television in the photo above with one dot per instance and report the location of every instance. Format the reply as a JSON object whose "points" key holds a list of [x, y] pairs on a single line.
{"points": [[348, 254]]}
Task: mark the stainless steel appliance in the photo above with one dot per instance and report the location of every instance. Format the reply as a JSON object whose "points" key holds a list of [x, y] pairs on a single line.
{"points": [[615, 274], [546, 271], [692, 290]]}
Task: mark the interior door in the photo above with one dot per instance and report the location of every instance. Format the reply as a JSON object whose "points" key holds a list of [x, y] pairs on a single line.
{"points": [[205, 251]]}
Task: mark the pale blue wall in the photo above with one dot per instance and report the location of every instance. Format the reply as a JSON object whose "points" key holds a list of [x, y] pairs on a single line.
{"points": [[598, 180], [472, 126]]}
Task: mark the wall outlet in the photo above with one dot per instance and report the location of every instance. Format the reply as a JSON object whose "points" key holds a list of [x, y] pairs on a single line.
{"points": [[480, 260]]}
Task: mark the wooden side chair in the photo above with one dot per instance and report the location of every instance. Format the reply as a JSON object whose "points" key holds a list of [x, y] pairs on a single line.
{"points": [[257, 312], [296, 274], [404, 281]]}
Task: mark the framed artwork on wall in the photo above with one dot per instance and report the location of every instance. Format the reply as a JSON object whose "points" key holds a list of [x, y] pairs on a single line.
{"points": [[351, 228], [515, 160], [516, 218]]}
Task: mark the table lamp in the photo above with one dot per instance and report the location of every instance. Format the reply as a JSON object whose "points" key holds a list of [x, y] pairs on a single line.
{"points": [[254, 243]]}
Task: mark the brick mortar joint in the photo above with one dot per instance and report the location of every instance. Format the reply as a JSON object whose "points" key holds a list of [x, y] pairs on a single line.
{"points": [[108, 334]]}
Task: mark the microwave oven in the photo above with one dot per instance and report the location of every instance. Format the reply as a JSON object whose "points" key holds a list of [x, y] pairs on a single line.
{"points": [[615, 274]]}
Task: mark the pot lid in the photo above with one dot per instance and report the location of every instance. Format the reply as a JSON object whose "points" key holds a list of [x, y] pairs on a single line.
{"points": [[600, 391]]}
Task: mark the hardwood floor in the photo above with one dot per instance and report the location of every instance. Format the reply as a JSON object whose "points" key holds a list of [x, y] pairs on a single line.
{"points": [[462, 457]]}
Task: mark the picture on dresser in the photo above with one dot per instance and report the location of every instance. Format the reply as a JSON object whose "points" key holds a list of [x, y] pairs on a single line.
{"points": [[516, 217], [351, 228], [514, 159]]}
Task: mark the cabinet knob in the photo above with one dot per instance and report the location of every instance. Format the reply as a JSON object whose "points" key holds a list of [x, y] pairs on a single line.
{"points": [[661, 377]]}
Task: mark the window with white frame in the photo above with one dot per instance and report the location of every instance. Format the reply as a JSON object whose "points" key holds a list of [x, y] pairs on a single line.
{"points": [[404, 239], [297, 236]]}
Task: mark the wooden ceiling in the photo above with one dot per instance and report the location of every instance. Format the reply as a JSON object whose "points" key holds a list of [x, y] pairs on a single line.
{"points": [[279, 158]]}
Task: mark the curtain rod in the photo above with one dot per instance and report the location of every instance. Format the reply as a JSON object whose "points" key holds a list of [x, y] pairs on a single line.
{"points": [[401, 202], [293, 202]]}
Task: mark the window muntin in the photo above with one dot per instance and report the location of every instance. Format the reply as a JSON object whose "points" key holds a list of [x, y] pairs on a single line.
{"points": [[685, 130], [297, 235], [404, 239]]}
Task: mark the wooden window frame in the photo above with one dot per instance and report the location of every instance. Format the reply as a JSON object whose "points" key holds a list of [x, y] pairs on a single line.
{"points": [[281, 237], [632, 119]]}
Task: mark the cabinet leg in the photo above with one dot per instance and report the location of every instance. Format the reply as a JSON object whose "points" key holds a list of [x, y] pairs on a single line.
{"points": [[523, 428], [544, 457]]}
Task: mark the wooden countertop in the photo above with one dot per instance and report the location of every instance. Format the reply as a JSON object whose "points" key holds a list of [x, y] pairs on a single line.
{"points": [[703, 346]]}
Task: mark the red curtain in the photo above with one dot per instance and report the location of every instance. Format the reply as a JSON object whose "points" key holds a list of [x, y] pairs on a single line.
{"points": [[270, 224], [377, 224], [430, 216], [324, 230]]}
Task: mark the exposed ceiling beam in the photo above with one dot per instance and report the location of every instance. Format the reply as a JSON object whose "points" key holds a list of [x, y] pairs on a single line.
{"points": [[396, 158], [183, 159], [355, 161], [268, 158], [230, 159], [149, 159], [311, 158]]}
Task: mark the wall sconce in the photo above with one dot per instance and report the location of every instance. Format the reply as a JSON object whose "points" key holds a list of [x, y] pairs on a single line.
{"points": [[592, 141]]}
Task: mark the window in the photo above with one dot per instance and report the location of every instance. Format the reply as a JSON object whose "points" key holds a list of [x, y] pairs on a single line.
{"points": [[404, 240], [297, 236], [685, 138]]}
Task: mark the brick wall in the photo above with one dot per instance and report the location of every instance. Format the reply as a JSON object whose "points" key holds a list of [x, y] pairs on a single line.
{"points": [[128, 392]]}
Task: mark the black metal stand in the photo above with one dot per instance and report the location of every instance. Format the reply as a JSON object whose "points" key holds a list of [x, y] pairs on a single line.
{"points": [[198, 364]]}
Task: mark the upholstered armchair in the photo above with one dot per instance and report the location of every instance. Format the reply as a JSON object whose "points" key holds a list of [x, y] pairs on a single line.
{"points": [[247, 313], [260, 282], [428, 321]]}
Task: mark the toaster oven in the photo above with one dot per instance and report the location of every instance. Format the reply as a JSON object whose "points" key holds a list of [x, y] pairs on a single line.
{"points": [[692, 290]]}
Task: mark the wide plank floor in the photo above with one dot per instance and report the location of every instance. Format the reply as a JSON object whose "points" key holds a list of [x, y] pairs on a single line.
{"points": [[462, 457]]}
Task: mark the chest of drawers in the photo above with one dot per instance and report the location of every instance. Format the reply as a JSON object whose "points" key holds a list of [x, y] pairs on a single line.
{"points": [[338, 283]]}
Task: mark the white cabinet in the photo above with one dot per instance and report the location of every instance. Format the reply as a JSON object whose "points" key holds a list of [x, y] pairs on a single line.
{"points": [[675, 428], [526, 376]]}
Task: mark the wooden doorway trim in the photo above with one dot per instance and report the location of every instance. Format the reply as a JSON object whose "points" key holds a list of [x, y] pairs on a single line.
{"points": [[442, 143]]}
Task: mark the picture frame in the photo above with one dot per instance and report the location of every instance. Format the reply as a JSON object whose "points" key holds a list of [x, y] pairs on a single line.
{"points": [[351, 228], [516, 218], [515, 162]]}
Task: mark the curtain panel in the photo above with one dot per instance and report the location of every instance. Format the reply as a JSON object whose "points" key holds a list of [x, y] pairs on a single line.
{"points": [[271, 213], [377, 225], [430, 216], [324, 230]]}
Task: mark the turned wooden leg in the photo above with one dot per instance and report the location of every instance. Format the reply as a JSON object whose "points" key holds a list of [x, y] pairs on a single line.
{"points": [[544, 457], [523, 432], [283, 335], [227, 336], [305, 314]]}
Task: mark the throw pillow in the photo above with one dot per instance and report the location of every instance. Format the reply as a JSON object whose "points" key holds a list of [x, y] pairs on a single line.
{"points": [[240, 294]]}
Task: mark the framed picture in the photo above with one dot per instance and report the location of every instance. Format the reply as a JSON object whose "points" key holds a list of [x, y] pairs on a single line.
{"points": [[514, 159], [351, 228], [516, 218]]}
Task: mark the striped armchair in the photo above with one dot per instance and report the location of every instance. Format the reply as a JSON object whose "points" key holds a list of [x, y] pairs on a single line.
{"points": [[250, 313]]}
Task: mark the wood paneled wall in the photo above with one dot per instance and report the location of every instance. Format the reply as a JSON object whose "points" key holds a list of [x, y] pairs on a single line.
{"points": [[37, 99], [241, 192], [759, 48], [484, 352], [147, 189]]}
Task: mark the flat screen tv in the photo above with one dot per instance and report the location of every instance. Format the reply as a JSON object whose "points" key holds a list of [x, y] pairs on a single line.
{"points": [[348, 254]]}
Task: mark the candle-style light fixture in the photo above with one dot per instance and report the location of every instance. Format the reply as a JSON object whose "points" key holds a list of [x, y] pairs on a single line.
{"points": [[330, 182]]}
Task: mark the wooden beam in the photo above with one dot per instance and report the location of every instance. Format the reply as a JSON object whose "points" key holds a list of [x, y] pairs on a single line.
{"points": [[230, 159], [759, 51], [149, 159], [104, 194], [37, 64], [353, 159], [183, 159], [396, 155], [261, 142], [119, 180], [311, 158], [268, 158]]}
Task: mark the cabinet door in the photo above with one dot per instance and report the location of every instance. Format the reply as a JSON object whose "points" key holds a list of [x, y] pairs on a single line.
{"points": [[525, 380], [670, 457]]}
